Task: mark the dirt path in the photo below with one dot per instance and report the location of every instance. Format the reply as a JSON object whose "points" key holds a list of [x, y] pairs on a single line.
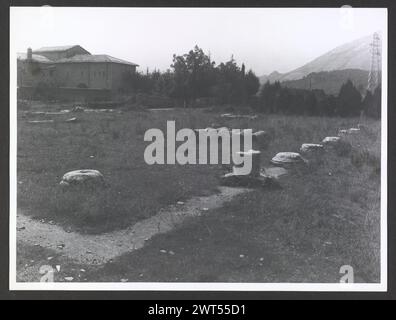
{"points": [[99, 249]]}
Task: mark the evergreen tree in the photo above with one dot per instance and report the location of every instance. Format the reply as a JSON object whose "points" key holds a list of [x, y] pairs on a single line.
{"points": [[374, 109], [252, 83], [367, 102], [311, 104], [349, 100]]}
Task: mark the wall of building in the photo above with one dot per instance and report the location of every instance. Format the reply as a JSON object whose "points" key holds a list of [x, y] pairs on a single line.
{"points": [[36, 74], [84, 74], [106, 76]]}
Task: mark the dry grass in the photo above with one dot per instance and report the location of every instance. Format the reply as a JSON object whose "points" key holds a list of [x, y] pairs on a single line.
{"points": [[325, 216], [112, 144]]}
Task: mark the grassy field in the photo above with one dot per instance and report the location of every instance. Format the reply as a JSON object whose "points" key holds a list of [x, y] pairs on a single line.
{"points": [[324, 216]]}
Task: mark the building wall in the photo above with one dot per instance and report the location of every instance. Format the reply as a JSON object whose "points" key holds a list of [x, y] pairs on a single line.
{"points": [[107, 76], [36, 74], [84, 74]]}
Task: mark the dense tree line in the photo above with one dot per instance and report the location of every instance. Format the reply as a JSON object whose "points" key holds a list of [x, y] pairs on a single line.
{"points": [[275, 98], [194, 76]]}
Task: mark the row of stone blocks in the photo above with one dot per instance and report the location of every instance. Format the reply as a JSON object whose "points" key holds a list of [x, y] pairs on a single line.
{"points": [[257, 176], [270, 176]]}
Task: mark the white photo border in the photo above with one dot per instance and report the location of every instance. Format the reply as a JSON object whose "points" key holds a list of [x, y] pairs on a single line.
{"points": [[382, 286]]}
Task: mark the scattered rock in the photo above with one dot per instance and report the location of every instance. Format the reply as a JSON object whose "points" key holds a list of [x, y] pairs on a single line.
{"points": [[241, 256], [124, 280], [275, 172], [171, 253], [180, 203], [99, 110], [311, 147], [82, 177], [331, 140], [78, 109], [34, 113], [353, 130], [286, 158], [163, 251], [58, 267], [69, 279], [230, 115], [223, 129], [40, 121], [53, 113], [71, 120], [21, 228]]}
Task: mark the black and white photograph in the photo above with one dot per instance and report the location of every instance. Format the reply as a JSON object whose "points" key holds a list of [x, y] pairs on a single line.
{"points": [[211, 149]]}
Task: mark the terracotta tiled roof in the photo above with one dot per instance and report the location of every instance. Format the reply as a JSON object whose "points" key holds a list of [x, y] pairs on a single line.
{"points": [[55, 49], [35, 57], [94, 58]]}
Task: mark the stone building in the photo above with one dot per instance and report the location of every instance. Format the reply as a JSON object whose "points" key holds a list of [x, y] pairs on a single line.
{"points": [[71, 73]]}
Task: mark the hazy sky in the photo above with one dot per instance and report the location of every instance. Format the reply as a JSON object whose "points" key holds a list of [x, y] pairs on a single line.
{"points": [[264, 39]]}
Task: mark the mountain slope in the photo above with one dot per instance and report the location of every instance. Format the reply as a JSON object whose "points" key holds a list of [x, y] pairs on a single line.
{"points": [[352, 55], [331, 81]]}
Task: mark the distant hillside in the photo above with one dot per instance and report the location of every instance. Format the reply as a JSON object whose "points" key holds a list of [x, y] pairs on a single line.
{"points": [[331, 81], [272, 77], [352, 55]]}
